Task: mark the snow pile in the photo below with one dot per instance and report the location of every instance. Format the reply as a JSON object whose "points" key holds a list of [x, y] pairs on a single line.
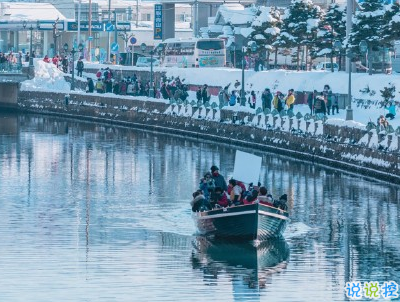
{"points": [[47, 77]]}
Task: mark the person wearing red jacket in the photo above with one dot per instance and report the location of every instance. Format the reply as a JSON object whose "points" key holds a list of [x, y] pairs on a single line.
{"points": [[219, 197], [46, 59]]}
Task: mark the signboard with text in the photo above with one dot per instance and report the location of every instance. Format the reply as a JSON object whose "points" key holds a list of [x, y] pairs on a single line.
{"points": [[97, 26], [158, 22]]}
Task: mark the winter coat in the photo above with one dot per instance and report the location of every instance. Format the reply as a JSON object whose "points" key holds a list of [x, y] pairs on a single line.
{"points": [[79, 66], [90, 85], [277, 103], [266, 98], [319, 105], [328, 97], [219, 181], [290, 100], [232, 100]]}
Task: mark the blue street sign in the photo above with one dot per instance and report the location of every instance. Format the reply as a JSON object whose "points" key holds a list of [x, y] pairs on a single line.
{"points": [[109, 27], [90, 38], [114, 47], [158, 17], [133, 40]]}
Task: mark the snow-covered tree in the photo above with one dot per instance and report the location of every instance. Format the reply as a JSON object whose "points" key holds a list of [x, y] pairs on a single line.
{"points": [[369, 24], [300, 23], [265, 30], [331, 28], [392, 19]]}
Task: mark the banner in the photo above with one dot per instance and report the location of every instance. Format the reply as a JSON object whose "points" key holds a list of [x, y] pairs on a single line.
{"points": [[158, 22]]}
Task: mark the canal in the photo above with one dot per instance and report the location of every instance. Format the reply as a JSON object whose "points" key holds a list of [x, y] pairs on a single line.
{"points": [[93, 212]]}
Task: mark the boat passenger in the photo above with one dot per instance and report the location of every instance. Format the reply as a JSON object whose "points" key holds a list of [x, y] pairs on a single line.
{"points": [[218, 197], [244, 190], [207, 185], [199, 203], [219, 180], [281, 203], [236, 192], [251, 197], [264, 197]]}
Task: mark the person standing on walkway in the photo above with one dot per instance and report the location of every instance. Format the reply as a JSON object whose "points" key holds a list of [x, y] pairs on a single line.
{"points": [[79, 67], [328, 99], [266, 99], [290, 100], [311, 100]]}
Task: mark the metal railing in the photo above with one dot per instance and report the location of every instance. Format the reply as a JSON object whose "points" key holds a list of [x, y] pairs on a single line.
{"points": [[8, 67]]}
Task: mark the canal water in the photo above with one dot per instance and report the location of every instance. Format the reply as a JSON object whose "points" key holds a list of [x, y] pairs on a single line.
{"points": [[98, 213]]}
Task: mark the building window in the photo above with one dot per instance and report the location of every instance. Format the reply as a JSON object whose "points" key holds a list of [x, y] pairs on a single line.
{"points": [[146, 17], [180, 18]]}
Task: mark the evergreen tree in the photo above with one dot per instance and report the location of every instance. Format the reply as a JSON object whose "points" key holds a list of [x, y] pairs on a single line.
{"points": [[300, 25], [331, 28], [265, 30], [369, 25]]}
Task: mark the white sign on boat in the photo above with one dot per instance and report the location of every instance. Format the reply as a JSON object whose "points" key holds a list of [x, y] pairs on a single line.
{"points": [[247, 167]]}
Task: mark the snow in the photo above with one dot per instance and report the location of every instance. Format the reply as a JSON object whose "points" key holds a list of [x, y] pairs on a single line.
{"points": [[365, 88], [33, 11]]}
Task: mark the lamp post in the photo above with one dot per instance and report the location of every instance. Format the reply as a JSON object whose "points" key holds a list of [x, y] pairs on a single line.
{"points": [[151, 89], [364, 49], [349, 112], [242, 93], [24, 24], [233, 50], [73, 52]]}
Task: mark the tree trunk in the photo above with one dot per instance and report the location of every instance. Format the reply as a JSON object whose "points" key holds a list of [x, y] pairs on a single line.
{"points": [[267, 65], [369, 60], [306, 59], [298, 58], [276, 58]]}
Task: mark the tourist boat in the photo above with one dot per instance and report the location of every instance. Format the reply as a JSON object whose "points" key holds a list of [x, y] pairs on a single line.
{"points": [[244, 222]]}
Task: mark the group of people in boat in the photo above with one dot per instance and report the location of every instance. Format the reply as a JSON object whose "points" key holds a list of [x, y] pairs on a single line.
{"points": [[214, 193]]}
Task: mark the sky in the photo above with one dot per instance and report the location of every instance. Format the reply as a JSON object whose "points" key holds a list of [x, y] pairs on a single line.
{"points": [[365, 105]]}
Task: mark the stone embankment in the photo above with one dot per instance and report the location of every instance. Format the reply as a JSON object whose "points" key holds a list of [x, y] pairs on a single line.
{"points": [[355, 150]]}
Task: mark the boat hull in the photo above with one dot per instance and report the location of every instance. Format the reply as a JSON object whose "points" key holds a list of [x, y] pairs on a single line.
{"points": [[244, 222]]}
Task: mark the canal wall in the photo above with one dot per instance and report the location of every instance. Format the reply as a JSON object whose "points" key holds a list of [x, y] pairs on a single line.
{"points": [[353, 149]]}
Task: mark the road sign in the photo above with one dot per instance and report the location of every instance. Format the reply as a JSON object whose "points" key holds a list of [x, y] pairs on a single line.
{"points": [[90, 38], [158, 17], [114, 47], [109, 27], [133, 40]]}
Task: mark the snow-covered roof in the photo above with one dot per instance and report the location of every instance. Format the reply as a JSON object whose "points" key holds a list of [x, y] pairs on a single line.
{"points": [[235, 14], [17, 11]]}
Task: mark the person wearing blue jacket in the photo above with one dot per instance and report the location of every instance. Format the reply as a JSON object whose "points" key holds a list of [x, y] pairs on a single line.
{"points": [[392, 110]]}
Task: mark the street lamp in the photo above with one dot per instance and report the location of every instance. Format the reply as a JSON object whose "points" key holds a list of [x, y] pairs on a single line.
{"points": [[364, 49], [349, 112], [233, 50], [242, 93], [24, 24], [73, 52]]}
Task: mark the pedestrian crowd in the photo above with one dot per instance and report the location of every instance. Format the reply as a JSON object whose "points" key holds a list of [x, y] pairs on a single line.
{"points": [[8, 60]]}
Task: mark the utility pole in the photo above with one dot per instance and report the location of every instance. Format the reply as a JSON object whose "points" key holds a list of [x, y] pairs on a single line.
{"points": [[55, 35], [137, 13], [90, 32], [349, 25], [116, 34], [79, 22], [108, 32]]}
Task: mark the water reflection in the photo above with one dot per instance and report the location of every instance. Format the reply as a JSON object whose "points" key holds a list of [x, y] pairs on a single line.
{"points": [[119, 199], [249, 265]]}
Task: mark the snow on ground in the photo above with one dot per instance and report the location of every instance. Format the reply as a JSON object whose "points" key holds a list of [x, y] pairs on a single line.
{"points": [[49, 78]]}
